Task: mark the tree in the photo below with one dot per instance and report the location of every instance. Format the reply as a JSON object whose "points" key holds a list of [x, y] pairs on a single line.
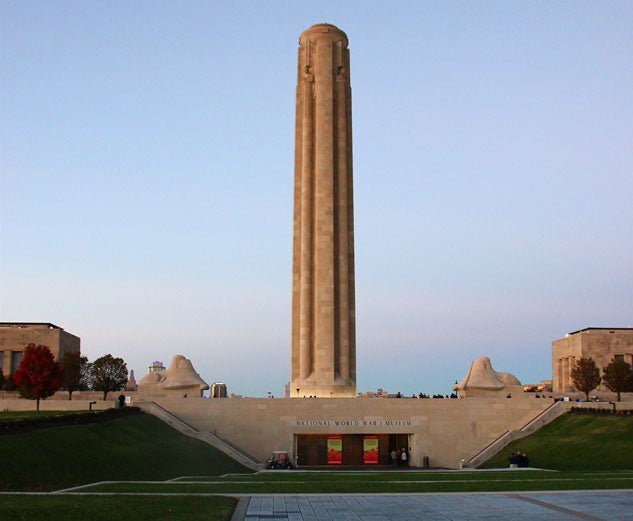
{"points": [[618, 377], [585, 375], [39, 375], [9, 385], [75, 368], [108, 374]]}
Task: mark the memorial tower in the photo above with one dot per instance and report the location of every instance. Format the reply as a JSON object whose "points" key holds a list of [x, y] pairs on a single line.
{"points": [[323, 358]]}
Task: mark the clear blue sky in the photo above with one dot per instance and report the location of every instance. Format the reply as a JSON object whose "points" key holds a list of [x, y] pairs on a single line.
{"points": [[147, 166]]}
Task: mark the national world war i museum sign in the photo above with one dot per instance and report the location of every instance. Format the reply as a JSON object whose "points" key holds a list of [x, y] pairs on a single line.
{"points": [[323, 352]]}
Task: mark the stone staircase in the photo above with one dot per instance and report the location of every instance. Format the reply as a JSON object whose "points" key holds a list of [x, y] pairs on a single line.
{"points": [[548, 415], [208, 437]]}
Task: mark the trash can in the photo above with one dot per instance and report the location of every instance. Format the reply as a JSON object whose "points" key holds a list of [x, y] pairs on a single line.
{"points": [[425, 462]]}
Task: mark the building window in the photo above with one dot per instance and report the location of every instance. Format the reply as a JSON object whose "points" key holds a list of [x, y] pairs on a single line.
{"points": [[16, 360], [619, 358]]}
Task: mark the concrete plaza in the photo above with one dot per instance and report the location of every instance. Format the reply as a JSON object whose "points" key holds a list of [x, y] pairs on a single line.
{"points": [[527, 506]]}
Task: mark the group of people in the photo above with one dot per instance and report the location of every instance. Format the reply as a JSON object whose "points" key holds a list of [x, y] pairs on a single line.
{"points": [[422, 395], [399, 457], [518, 459]]}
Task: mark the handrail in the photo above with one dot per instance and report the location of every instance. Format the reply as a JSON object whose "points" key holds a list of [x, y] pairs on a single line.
{"points": [[215, 440], [489, 445], [175, 417], [539, 416], [552, 411], [239, 449]]}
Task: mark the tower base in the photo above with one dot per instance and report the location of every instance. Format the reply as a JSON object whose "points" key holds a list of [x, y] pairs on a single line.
{"points": [[309, 388]]}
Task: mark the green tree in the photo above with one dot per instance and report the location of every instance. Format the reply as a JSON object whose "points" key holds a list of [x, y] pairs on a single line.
{"points": [[585, 375], [39, 375], [75, 368], [108, 374], [618, 377]]}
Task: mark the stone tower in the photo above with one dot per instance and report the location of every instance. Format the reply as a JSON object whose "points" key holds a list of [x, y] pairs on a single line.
{"points": [[323, 318]]}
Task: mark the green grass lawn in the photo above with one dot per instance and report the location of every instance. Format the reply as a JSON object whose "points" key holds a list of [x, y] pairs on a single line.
{"points": [[576, 442], [135, 447], [108, 508], [297, 482], [187, 499]]}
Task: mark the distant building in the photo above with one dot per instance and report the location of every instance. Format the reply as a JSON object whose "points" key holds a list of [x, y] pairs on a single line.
{"points": [[544, 387], [131, 384], [15, 336], [156, 366], [601, 344], [218, 390], [378, 393]]}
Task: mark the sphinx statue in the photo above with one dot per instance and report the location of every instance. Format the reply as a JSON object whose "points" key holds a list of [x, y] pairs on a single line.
{"points": [[482, 377], [180, 377]]}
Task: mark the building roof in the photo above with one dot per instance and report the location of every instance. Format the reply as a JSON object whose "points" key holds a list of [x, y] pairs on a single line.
{"points": [[602, 329], [47, 324]]}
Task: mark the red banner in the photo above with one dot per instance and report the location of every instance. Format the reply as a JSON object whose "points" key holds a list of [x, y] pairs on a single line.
{"points": [[334, 450], [370, 450]]}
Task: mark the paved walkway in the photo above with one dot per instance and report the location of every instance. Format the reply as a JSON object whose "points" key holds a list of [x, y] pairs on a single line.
{"points": [[527, 506]]}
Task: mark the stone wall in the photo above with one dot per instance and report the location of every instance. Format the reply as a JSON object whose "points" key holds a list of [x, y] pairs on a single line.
{"points": [[445, 430], [19, 404]]}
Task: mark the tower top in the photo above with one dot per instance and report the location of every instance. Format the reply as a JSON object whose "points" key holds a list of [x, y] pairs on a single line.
{"points": [[319, 31]]}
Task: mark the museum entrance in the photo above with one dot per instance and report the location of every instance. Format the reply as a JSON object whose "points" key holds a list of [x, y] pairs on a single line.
{"points": [[347, 450]]}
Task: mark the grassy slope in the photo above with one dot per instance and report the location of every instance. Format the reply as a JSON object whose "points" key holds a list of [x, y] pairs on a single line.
{"points": [[576, 442], [138, 447]]}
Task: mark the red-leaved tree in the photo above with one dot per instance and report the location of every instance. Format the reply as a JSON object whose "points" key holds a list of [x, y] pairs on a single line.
{"points": [[39, 375]]}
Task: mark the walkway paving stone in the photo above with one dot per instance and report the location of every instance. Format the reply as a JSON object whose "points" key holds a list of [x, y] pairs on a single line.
{"points": [[541, 506]]}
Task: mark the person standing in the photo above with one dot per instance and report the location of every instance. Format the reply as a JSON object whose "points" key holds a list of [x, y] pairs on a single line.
{"points": [[403, 457], [394, 457]]}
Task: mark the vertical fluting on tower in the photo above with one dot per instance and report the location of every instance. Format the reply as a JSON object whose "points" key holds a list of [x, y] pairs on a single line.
{"points": [[323, 357]]}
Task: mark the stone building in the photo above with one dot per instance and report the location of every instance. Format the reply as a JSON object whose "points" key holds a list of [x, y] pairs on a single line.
{"points": [[601, 344], [15, 336], [218, 390]]}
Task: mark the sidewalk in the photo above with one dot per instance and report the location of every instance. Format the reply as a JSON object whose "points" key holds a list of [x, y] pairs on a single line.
{"points": [[527, 506]]}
